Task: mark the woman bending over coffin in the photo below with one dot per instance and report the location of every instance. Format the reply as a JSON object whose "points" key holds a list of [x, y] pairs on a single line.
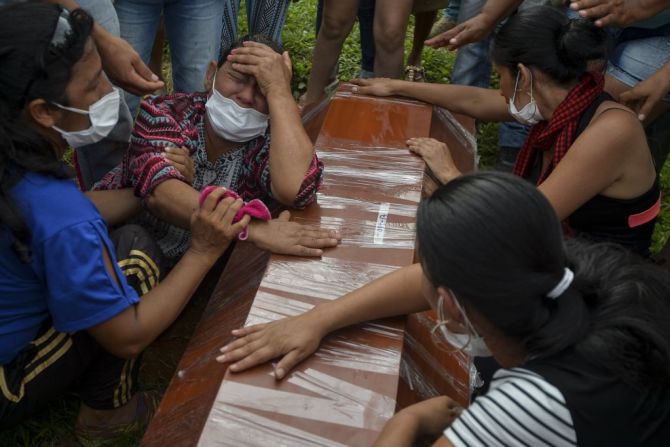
{"points": [[582, 330], [586, 153]]}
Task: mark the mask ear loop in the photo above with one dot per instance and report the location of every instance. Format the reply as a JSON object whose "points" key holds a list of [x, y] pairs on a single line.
{"points": [[516, 86], [441, 324], [468, 324]]}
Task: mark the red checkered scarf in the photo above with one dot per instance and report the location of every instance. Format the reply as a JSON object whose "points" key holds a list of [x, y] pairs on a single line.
{"points": [[559, 132]]}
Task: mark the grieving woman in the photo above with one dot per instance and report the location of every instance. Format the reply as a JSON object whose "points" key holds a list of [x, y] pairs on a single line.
{"points": [[586, 153], [71, 317], [582, 331]]}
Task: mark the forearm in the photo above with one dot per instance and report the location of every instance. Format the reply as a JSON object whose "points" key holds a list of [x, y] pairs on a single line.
{"points": [[291, 150], [69, 4], [495, 10], [115, 206], [398, 432], [479, 103], [173, 201], [158, 309], [398, 293], [649, 8]]}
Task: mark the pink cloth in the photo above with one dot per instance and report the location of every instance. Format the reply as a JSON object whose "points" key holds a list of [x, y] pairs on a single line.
{"points": [[254, 208]]}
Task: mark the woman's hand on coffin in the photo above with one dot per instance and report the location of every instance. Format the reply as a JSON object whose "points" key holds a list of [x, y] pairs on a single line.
{"points": [[212, 226], [180, 158], [281, 236], [437, 156], [292, 339], [272, 71], [374, 86]]}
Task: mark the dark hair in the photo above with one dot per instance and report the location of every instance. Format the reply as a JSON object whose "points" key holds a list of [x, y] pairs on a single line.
{"points": [[239, 43], [545, 38], [31, 68], [496, 242]]}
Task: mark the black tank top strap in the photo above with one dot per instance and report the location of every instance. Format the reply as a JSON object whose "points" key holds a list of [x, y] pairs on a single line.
{"points": [[588, 114]]}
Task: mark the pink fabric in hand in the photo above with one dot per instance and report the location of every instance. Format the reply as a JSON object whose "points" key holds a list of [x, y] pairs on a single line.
{"points": [[254, 208]]}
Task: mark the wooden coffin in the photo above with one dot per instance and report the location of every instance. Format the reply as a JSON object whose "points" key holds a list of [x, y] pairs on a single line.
{"points": [[360, 376]]}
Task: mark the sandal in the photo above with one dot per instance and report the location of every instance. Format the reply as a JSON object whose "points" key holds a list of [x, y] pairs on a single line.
{"points": [[415, 73], [91, 436]]}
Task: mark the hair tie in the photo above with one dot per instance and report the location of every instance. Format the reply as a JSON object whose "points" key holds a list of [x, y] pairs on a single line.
{"points": [[562, 285]]}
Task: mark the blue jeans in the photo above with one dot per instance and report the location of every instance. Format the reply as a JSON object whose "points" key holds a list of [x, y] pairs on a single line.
{"points": [[453, 10], [193, 29], [639, 53], [473, 67]]}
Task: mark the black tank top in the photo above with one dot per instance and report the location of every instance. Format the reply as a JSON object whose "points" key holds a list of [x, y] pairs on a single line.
{"points": [[606, 411], [629, 222]]}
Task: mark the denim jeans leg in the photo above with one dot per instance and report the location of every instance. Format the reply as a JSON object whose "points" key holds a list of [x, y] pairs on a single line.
{"points": [[138, 20], [452, 10], [193, 28], [473, 66]]}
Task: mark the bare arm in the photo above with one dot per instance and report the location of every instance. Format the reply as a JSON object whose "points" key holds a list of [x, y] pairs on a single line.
{"points": [[129, 332], [116, 205], [291, 150], [294, 338], [620, 13], [604, 159], [477, 27], [479, 103], [427, 418], [645, 98], [173, 201]]}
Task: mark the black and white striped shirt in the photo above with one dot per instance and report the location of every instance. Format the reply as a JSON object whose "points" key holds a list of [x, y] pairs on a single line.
{"points": [[520, 409]]}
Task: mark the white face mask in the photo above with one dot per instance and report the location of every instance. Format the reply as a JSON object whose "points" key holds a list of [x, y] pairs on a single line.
{"points": [[472, 344], [530, 113], [232, 121], [103, 114]]}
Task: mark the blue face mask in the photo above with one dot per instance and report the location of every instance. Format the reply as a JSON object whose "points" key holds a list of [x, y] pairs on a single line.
{"points": [[530, 114]]}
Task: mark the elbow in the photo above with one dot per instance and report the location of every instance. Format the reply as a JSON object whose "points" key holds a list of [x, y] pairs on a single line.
{"points": [[286, 194]]}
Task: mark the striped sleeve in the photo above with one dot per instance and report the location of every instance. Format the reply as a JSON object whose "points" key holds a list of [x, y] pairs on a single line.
{"points": [[520, 409]]}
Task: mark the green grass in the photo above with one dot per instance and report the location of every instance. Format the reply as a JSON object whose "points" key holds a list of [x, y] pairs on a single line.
{"points": [[53, 427]]}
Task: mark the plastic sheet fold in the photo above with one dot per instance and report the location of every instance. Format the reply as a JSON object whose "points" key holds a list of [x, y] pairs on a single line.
{"points": [[347, 390]]}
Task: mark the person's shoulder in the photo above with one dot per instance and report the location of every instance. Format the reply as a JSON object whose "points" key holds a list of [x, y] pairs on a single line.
{"points": [[49, 204], [521, 407], [617, 117], [613, 130], [176, 104], [174, 118]]}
